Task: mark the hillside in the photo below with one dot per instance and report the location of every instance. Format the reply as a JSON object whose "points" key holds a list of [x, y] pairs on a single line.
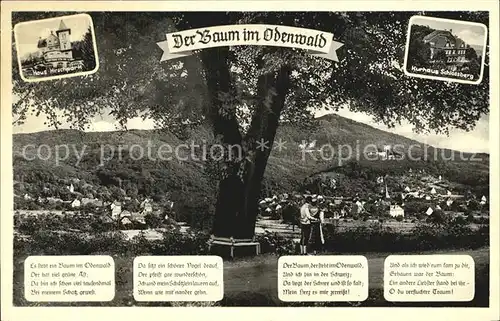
{"points": [[108, 171]]}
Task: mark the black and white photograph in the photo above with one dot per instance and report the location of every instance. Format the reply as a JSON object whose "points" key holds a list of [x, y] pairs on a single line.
{"points": [[254, 153], [53, 48], [446, 49]]}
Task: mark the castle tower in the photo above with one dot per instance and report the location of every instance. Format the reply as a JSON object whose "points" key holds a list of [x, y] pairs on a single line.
{"points": [[63, 33]]}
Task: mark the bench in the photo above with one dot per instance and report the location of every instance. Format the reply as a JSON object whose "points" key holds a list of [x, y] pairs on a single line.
{"points": [[232, 243]]}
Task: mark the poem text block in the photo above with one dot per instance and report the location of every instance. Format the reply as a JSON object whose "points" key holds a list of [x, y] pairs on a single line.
{"points": [[178, 278], [322, 278], [429, 278], [71, 278]]}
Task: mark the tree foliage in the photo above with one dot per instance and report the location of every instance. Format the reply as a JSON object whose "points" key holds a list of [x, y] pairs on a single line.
{"points": [[84, 49], [131, 81], [440, 56]]}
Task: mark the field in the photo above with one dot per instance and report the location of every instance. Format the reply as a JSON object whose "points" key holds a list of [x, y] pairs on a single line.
{"points": [[258, 276], [276, 226], [253, 281]]}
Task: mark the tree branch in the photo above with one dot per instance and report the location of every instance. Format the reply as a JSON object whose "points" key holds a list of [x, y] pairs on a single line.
{"points": [[272, 89], [222, 106]]}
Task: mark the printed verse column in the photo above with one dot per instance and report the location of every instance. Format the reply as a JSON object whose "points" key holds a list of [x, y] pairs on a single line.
{"points": [[323, 278], [178, 278], [429, 278], [69, 278]]}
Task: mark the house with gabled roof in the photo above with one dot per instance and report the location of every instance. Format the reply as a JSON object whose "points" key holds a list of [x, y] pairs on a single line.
{"points": [[54, 200], [396, 210], [126, 221], [76, 203], [125, 213], [57, 49], [138, 217], [91, 201], [106, 219], [444, 40], [146, 206], [116, 209]]}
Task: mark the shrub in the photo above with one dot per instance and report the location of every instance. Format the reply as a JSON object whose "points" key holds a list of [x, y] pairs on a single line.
{"points": [[423, 237], [153, 220], [473, 205], [274, 243], [42, 240], [416, 207], [291, 214], [276, 215], [481, 220], [27, 225], [437, 218], [66, 243]]}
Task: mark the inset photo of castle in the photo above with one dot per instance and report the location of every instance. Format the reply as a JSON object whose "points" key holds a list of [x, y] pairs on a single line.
{"points": [[444, 49], [55, 48]]}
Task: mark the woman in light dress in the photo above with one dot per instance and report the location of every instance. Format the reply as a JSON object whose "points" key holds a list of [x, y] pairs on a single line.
{"points": [[316, 239]]}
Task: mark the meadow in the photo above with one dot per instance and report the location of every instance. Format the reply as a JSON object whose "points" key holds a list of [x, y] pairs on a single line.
{"points": [[252, 280]]}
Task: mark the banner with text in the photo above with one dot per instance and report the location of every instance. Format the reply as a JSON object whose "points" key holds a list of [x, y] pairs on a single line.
{"points": [[183, 43]]}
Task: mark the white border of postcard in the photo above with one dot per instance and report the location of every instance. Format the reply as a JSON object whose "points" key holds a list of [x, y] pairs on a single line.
{"points": [[451, 79], [66, 75]]}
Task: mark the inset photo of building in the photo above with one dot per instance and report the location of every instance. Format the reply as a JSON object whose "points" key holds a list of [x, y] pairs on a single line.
{"points": [[54, 48], [445, 49]]}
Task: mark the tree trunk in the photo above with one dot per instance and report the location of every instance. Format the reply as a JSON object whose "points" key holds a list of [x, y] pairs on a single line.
{"points": [[239, 191], [236, 199]]}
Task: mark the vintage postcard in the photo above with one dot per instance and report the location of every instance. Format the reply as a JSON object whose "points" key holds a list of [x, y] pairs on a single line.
{"points": [[212, 160], [49, 49], [445, 49]]}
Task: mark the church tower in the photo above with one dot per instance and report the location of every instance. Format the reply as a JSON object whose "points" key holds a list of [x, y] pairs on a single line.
{"points": [[63, 33]]}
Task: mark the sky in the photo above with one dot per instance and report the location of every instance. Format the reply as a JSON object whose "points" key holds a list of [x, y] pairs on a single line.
{"points": [[27, 34], [476, 141], [471, 34]]}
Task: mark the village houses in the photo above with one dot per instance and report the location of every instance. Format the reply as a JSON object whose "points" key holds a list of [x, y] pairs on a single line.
{"points": [[76, 203], [116, 209], [396, 211]]}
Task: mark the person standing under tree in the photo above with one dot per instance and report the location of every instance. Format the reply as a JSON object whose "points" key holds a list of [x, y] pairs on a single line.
{"points": [[305, 225], [316, 239]]}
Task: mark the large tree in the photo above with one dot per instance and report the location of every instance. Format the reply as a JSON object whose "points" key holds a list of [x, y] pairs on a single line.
{"points": [[245, 93]]}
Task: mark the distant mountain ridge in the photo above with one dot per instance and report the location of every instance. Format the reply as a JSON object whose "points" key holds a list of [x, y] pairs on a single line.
{"points": [[330, 132], [186, 180]]}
